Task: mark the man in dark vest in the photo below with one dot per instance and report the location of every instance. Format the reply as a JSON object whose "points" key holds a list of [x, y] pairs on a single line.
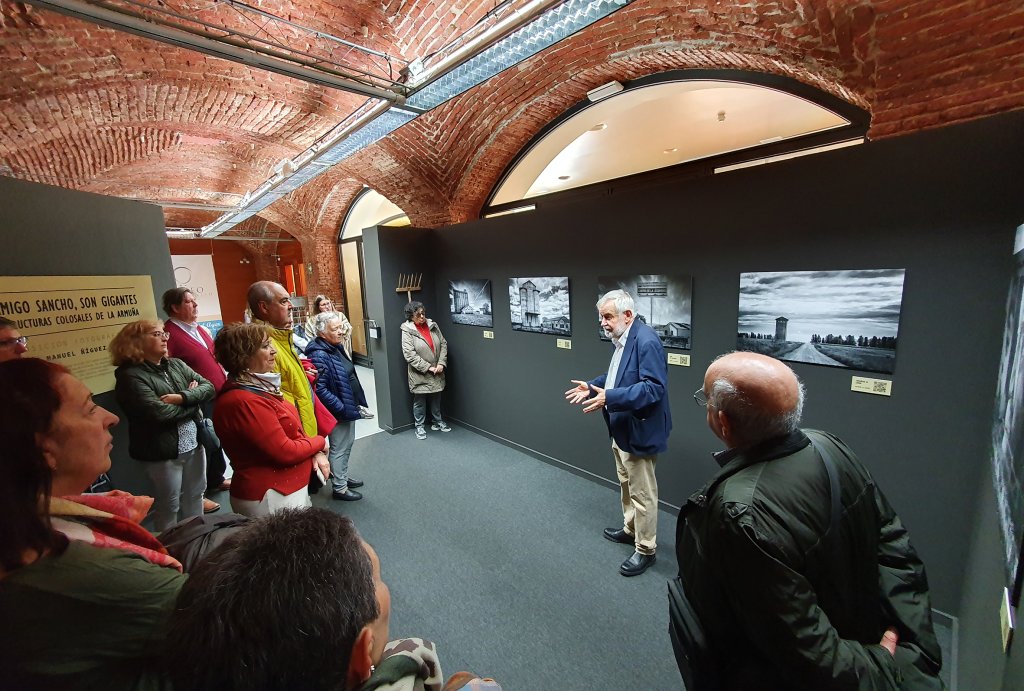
{"points": [[191, 342]]}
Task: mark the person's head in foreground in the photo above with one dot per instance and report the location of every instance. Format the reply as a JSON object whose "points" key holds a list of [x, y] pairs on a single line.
{"points": [[751, 398], [56, 442], [295, 601]]}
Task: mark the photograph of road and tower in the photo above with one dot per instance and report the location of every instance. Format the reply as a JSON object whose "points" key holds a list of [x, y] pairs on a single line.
{"points": [[662, 302], [834, 318]]}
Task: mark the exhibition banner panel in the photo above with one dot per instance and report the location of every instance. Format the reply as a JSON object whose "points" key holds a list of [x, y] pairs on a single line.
{"points": [[72, 319], [195, 272]]}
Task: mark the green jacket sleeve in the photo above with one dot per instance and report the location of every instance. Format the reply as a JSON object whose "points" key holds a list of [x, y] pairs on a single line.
{"points": [[779, 611], [902, 585], [136, 394]]}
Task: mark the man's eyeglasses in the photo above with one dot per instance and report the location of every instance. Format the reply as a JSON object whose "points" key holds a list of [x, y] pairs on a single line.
{"points": [[700, 398], [161, 334], [9, 342]]}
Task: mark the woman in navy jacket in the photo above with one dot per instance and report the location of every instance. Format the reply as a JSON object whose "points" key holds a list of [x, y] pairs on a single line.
{"points": [[338, 388]]}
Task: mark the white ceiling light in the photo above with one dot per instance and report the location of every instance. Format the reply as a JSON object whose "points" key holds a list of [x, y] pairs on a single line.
{"points": [[604, 91]]}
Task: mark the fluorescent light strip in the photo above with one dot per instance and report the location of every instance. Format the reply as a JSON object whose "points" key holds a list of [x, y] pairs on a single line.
{"points": [[545, 31], [792, 154], [516, 210]]}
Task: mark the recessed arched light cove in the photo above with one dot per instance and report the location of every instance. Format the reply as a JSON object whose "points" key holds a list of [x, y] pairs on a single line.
{"points": [[370, 209], [673, 119]]}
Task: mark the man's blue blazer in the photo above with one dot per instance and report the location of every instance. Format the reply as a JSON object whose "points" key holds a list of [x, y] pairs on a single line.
{"points": [[636, 409]]}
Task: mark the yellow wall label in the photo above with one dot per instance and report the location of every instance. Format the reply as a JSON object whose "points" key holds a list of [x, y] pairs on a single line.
{"points": [[563, 343], [488, 334], [679, 359], [882, 387]]}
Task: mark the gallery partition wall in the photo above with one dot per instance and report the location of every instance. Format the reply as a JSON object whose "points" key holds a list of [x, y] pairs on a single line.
{"points": [[941, 206]]}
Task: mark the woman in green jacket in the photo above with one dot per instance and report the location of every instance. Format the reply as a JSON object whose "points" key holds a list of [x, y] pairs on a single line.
{"points": [[161, 398]]}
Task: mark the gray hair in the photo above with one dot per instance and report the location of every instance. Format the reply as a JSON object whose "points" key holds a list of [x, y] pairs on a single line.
{"points": [[751, 423], [623, 301], [322, 319], [260, 291]]}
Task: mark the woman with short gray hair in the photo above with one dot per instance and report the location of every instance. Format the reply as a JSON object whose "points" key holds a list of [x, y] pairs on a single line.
{"points": [[338, 388]]}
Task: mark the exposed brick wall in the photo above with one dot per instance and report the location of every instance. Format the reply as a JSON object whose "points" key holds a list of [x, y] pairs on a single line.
{"points": [[95, 109]]}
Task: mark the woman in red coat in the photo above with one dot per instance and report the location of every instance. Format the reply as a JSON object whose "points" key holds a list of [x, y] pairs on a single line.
{"points": [[261, 432]]}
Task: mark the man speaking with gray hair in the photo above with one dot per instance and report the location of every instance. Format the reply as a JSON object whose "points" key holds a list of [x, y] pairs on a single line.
{"points": [[633, 396], [800, 572]]}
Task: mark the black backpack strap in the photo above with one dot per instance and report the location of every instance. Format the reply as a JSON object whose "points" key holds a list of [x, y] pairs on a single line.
{"points": [[823, 445]]}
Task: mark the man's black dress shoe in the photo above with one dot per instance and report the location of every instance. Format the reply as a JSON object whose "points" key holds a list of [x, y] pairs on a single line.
{"points": [[355, 483], [637, 564], [347, 495], [618, 535]]}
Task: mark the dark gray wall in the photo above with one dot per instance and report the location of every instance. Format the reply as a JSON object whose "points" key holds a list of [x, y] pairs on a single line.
{"points": [[943, 205], [388, 253], [51, 231]]}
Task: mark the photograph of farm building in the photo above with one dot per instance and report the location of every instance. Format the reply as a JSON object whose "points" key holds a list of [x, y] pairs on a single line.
{"points": [[662, 302], [469, 302], [540, 305], [834, 318]]}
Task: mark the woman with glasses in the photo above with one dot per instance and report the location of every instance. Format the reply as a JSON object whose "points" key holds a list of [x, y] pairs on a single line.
{"points": [[161, 397], [426, 351]]}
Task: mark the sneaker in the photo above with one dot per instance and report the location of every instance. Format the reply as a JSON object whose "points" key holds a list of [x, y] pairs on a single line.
{"points": [[440, 427], [421, 433], [210, 506], [365, 412]]}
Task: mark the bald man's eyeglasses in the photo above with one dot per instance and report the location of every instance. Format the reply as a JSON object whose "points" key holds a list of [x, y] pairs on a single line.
{"points": [[700, 398], [11, 342]]}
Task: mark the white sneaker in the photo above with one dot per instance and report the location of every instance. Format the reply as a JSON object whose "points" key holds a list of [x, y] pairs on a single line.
{"points": [[440, 427], [421, 433], [365, 412]]}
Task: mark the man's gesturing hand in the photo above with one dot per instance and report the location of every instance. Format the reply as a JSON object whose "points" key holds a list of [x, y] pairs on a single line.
{"points": [[578, 393]]}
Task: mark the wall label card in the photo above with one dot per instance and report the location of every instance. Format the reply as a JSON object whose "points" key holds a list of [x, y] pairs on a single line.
{"points": [[882, 387]]}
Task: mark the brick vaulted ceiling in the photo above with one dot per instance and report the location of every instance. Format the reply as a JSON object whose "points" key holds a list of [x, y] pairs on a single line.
{"points": [[91, 108]]}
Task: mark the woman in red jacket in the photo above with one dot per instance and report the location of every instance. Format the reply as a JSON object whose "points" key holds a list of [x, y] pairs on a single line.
{"points": [[261, 432]]}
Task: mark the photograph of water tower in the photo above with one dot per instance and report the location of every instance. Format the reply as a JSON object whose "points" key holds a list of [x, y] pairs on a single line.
{"points": [[540, 305], [469, 301], [663, 302], [835, 318]]}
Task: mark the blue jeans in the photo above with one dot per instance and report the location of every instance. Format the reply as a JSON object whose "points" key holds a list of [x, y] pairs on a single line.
{"points": [[419, 408], [341, 438]]}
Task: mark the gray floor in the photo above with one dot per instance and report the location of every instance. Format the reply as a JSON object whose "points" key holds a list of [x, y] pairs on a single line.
{"points": [[499, 559]]}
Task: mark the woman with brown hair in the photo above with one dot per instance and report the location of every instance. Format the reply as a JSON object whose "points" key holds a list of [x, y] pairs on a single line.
{"points": [[261, 433], [161, 398], [85, 591]]}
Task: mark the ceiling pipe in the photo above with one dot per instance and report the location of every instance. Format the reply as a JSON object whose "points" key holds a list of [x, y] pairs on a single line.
{"points": [[219, 48]]}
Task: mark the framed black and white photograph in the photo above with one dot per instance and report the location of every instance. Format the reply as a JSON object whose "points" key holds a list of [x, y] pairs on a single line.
{"points": [[469, 302], [663, 302], [834, 318], [1008, 429], [540, 305]]}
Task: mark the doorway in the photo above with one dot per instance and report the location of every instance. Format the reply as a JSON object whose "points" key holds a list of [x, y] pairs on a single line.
{"points": [[355, 298]]}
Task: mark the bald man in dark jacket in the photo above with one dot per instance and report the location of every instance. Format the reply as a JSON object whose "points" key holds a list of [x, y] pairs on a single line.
{"points": [[788, 600]]}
